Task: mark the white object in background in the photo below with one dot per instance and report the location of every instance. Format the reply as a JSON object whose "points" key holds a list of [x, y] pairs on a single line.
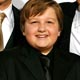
{"points": [[60, 1], [20, 3]]}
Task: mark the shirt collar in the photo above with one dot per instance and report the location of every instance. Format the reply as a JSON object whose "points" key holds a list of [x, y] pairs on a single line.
{"points": [[7, 11]]}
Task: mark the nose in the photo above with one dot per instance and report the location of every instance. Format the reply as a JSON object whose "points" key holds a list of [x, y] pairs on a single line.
{"points": [[42, 28]]}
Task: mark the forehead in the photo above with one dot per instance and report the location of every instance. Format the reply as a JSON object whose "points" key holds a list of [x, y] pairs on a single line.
{"points": [[49, 12]]}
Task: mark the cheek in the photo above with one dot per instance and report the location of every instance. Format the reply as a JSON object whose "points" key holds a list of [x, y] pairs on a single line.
{"points": [[54, 35], [54, 32], [28, 31]]}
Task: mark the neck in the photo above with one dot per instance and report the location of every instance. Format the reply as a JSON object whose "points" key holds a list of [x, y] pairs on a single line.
{"points": [[46, 52]]}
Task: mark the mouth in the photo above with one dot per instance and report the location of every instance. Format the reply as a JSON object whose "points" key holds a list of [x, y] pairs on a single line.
{"points": [[42, 36]]}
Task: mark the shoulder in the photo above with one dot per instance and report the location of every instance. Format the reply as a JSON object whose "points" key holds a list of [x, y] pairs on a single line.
{"points": [[74, 61], [9, 54], [67, 58], [70, 55], [71, 58], [14, 53], [11, 58], [67, 64], [8, 60]]}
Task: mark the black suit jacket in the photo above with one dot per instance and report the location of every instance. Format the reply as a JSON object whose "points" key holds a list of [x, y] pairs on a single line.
{"points": [[16, 37], [69, 12], [23, 63]]}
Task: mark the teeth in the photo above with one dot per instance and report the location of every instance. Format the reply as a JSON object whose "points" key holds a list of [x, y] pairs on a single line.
{"points": [[41, 36]]}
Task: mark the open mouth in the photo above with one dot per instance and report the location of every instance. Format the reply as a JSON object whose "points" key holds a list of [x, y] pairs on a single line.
{"points": [[41, 36]]}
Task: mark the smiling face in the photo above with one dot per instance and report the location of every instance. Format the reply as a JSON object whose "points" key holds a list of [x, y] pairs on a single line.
{"points": [[42, 31]]}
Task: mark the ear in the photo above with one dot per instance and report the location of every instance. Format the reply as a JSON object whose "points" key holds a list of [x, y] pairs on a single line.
{"points": [[59, 33], [23, 33]]}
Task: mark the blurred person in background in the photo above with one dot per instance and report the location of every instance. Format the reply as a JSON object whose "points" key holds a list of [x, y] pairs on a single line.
{"points": [[11, 25], [70, 37]]}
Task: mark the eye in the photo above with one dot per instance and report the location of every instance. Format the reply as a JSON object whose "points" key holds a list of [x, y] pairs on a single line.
{"points": [[51, 22], [33, 22]]}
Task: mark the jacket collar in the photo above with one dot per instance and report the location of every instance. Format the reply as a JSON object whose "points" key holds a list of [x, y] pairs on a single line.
{"points": [[73, 8], [30, 57]]}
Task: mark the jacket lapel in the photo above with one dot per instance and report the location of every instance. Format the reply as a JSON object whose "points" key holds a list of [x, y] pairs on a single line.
{"points": [[33, 63], [16, 36]]}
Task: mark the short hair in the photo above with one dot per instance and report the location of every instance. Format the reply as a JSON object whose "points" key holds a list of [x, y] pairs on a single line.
{"points": [[38, 7]]}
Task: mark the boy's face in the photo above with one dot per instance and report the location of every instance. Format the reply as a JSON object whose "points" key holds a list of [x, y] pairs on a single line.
{"points": [[42, 31]]}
